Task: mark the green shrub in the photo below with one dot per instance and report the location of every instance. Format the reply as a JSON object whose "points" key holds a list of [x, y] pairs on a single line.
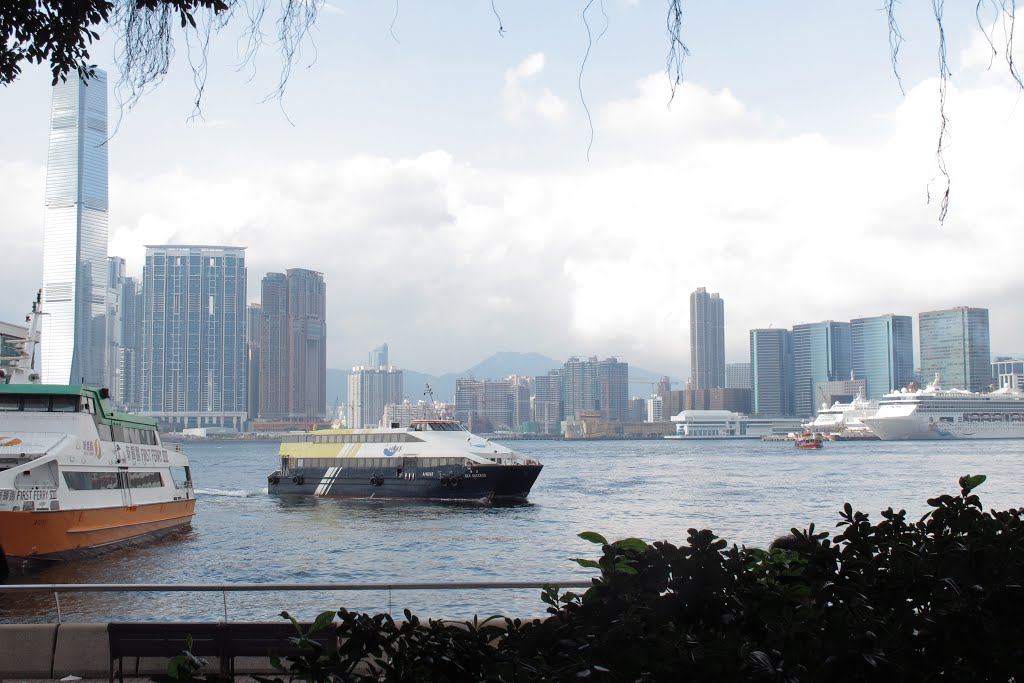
{"points": [[939, 598]]}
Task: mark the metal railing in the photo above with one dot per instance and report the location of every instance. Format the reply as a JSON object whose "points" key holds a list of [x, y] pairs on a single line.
{"points": [[224, 589]]}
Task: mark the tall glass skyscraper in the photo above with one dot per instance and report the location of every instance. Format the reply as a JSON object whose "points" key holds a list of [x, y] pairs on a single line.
{"points": [[379, 356], [882, 353], [707, 340], [307, 344], [955, 345], [193, 336], [74, 331], [821, 353], [771, 369]]}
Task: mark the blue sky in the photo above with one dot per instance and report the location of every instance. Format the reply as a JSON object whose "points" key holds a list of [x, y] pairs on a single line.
{"points": [[440, 177]]}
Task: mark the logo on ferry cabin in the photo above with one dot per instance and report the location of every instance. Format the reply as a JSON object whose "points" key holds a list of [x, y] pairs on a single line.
{"points": [[9, 441], [392, 450]]}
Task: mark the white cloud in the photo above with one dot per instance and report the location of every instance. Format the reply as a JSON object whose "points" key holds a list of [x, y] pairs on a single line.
{"points": [[449, 262], [521, 101]]}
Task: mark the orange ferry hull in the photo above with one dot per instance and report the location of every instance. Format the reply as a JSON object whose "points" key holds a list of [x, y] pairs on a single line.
{"points": [[28, 537]]}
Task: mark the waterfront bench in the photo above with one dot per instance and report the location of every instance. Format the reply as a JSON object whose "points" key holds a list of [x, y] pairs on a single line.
{"points": [[225, 641], [163, 640]]}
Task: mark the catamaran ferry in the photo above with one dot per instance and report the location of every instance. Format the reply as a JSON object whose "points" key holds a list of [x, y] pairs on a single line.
{"points": [[76, 477], [937, 413], [430, 459]]}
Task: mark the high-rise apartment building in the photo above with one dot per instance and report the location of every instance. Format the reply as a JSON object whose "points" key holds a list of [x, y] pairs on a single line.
{"points": [[293, 346], [193, 336], [738, 376], [379, 356], [771, 367], [130, 362], [955, 345], [75, 222], [613, 390], [369, 390], [547, 402], [253, 330], [821, 353], [307, 345], [882, 353], [112, 363], [707, 340], [273, 384], [596, 385]]}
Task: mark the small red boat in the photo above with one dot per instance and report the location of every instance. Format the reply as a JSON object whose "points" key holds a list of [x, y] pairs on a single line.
{"points": [[809, 440]]}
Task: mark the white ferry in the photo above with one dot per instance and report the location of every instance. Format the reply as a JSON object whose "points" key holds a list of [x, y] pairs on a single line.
{"points": [[937, 413], [430, 459], [76, 477]]}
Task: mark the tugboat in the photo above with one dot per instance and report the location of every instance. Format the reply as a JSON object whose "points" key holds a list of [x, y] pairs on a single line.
{"points": [[429, 460], [76, 477]]}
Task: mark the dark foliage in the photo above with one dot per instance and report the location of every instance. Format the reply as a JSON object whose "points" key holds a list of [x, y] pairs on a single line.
{"points": [[935, 599]]}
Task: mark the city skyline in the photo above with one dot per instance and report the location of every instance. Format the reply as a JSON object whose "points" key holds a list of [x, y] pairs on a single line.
{"points": [[476, 192]]}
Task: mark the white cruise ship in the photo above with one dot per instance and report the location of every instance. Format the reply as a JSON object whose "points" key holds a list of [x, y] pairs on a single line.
{"points": [[843, 419], [937, 413]]}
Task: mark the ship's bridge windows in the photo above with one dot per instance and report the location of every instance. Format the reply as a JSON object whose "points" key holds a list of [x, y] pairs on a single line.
{"points": [[64, 404], [37, 404]]}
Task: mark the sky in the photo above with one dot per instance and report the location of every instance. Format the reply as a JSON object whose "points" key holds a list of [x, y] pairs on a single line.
{"points": [[445, 179]]}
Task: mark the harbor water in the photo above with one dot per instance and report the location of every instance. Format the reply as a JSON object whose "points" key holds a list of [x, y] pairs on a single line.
{"points": [[747, 492]]}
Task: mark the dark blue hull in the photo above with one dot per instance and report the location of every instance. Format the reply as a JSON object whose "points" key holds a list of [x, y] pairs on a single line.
{"points": [[481, 482]]}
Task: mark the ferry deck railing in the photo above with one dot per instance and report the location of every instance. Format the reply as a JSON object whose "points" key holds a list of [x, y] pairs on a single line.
{"points": [[224, 589]]}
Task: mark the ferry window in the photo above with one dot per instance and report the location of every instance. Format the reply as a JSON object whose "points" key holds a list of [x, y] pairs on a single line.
{"points": [[92, 481], [64, 404], [10, 403], [145, 480], [37, 404], [180, 475], [119, 435]]}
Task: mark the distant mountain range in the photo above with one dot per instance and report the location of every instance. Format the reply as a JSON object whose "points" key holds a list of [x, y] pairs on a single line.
{"points": [[498, 366]]}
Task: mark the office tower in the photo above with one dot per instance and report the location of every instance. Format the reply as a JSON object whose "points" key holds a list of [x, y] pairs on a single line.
{"points": [[771, 366], [547, 402], [882, 353], [130, 362], [955, 346], [193, 336], [112, 361], [75, 235], [707, 340], [307, 345], [821, 353], [379, 357], [253, 315], [369, 390], [738, 376], [1007, 371], [613, 390], [273, 401]]}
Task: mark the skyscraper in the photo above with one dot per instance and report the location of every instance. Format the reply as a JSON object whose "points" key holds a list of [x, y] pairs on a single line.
{"points": [[131, 343], [273, 347], [252, 359], [307, 345], [547, 402], [955, 345], [379, 356], [707, 340], [771, 366], [737, 376], [613, 390], [821, 353], [882, 353], [75, 223], [293, 346], [112, 362], [193, 336]]}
